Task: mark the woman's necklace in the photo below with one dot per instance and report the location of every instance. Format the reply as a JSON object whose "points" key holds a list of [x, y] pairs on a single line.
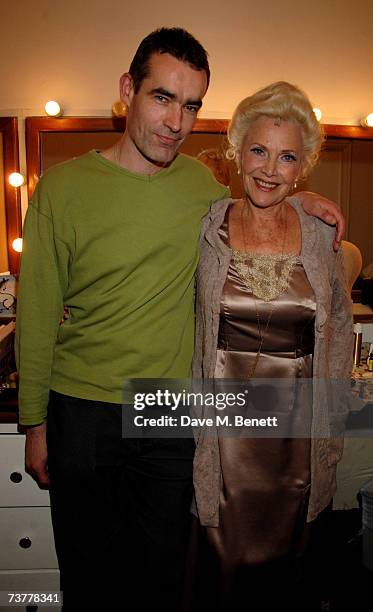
{"points": [[263, 280], [268, 274]]}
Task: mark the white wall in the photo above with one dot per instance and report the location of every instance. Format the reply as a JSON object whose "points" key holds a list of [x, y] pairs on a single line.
{"points": [[75, 50]]}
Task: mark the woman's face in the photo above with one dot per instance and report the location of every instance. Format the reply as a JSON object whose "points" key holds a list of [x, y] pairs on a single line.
{"points": [[270, 159]]}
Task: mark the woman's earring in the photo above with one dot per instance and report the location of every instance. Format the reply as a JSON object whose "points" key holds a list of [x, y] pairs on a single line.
{"points": [[295, 185], [238, 170]]}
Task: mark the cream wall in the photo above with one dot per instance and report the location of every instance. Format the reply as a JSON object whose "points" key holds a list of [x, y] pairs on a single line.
{"points": [[75, 51]]}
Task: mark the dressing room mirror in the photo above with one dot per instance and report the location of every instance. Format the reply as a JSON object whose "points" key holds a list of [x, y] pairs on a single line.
{"points": [[51, 141], [10, 203], [344, 173]]}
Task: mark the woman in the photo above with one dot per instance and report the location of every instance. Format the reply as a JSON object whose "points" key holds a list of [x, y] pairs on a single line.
{"points": [[218, 164], [272, 302]]}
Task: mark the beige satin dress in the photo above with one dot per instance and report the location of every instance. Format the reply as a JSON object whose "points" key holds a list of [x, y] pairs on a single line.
{"points": [[265, 481]]}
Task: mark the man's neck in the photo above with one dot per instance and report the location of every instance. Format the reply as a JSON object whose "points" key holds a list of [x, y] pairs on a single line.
{"points": [[125, 154]]}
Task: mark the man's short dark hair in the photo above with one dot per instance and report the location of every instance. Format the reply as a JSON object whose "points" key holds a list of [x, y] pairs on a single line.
{"points": [[175, 41]]}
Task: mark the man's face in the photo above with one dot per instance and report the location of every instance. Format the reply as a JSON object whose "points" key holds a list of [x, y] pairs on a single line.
{"points": [[162, 113]]}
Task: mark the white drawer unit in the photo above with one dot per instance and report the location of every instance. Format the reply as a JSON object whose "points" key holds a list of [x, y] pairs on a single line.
{"points": [[28, 561], [30, 581], [16, 487], [26, 539]]}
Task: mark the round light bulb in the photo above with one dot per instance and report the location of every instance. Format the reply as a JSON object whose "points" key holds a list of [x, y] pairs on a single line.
{"points": [[17, 245], [318, 113], [119, 109], [52, 108], [16, 179], [369, 120]]}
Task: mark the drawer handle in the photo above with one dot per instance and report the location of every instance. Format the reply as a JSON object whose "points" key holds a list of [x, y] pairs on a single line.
{"points": [[25, 542], [16, 477]]}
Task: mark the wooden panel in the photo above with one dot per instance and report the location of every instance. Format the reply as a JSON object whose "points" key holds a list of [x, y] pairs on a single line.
{"points": [[57, 147], [361, 218], [3, 241], [331, 176], [9, 130]]}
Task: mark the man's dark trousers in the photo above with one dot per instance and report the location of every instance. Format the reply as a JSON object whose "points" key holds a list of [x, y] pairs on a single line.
{"points": [[120, 509]]}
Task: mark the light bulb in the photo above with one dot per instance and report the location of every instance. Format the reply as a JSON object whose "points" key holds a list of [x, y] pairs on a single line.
{"points": [[52, 108], [367, 121], [16, 179], [318, 113], [119, 109], [17, 245]]}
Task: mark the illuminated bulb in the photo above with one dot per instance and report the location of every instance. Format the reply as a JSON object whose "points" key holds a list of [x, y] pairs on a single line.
{"points": [[17, 245], [318, 113], [119, 109], [52, 108], [367, 121], [16, 179]]}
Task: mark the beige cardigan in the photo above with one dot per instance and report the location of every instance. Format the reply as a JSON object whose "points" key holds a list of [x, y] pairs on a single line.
{"points": [[332, 352]]}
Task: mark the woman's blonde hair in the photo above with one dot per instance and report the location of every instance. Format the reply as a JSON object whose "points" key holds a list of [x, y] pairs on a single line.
{"points": [[282, 101]]}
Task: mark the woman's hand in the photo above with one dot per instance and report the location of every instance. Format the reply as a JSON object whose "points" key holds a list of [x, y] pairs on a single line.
{"points": [[326, 210]]}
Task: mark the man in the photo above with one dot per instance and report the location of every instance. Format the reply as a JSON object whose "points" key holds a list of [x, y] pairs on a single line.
{"points": [[114, 237]]}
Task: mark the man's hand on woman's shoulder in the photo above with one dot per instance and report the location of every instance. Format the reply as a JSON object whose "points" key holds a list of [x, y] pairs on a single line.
{"points": [[326, 210]]}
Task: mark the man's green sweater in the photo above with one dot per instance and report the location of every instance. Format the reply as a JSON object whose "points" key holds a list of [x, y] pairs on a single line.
{"points": [[119, 250]]}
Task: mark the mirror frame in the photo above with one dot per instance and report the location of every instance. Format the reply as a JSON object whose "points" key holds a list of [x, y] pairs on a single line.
{"points": [[36, 126], [12, 196]]}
